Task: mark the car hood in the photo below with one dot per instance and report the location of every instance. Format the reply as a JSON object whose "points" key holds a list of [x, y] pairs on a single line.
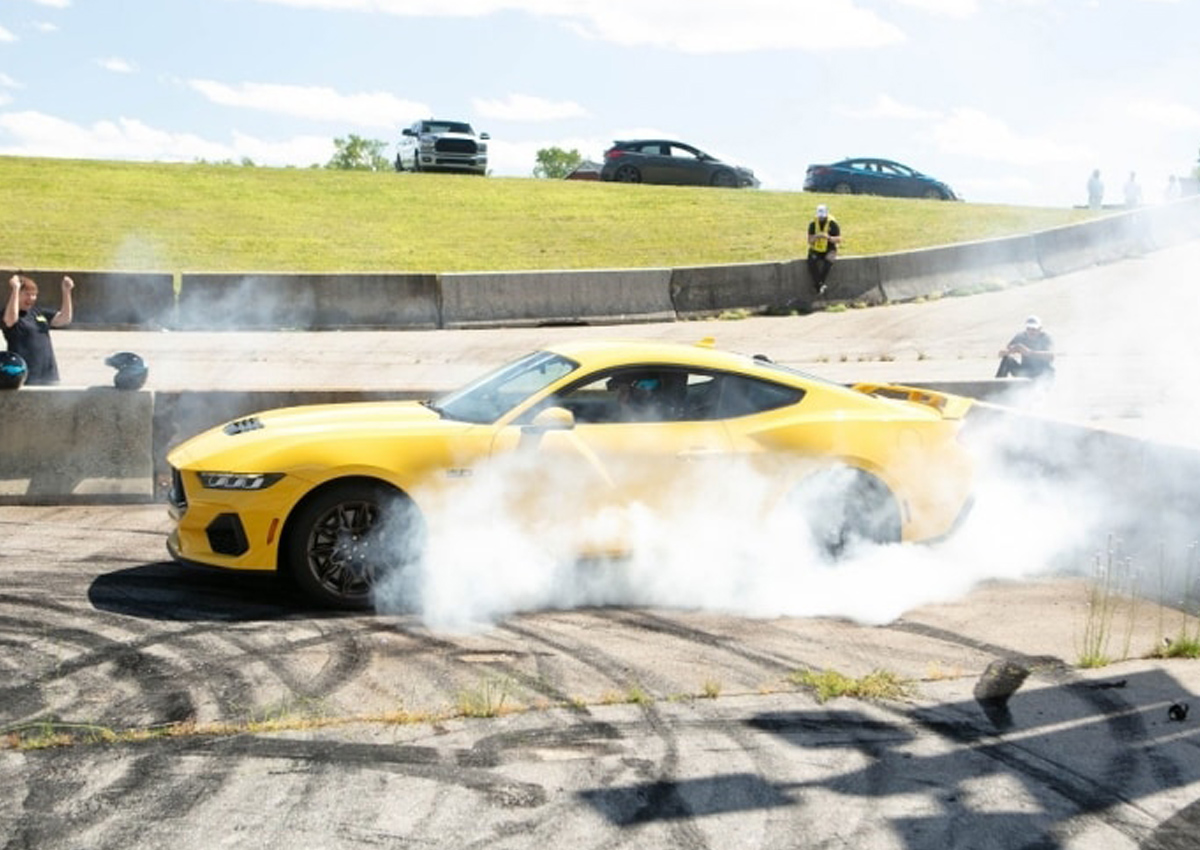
{"points": [[262, 434]]}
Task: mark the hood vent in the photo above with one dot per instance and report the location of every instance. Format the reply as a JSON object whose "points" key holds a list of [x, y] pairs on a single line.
{"points": [[241, 426]]}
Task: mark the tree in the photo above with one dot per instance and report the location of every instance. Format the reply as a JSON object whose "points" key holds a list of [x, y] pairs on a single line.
{"points": [[358, 154], [556, 163]]}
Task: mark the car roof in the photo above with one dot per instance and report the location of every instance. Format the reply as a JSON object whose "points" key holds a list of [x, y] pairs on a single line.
{"points": [[604, 353], [653, 142]]}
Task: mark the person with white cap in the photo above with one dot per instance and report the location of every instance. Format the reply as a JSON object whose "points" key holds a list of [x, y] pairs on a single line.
{"points": [[1029, 354], [824, 236]]}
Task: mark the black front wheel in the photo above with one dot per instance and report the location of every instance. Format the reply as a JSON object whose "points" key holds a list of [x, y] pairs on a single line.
{"points": [[347, 538], [725, 179]]}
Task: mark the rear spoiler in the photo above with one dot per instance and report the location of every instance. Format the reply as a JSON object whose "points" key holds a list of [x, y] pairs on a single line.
{"points": [[950, 406]]}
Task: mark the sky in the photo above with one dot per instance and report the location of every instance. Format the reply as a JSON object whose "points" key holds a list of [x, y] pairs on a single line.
{"points": [[1008, 101]]}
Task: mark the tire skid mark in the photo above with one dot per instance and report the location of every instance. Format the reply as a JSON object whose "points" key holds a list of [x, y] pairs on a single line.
{"points": [[96, 651], [690, 634], [347, 658], [130, 658], [71, 793], [419, 762], [664, 799]]}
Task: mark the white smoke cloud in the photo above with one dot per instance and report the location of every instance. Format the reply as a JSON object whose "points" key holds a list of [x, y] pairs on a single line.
{"points": [[717, 546]]}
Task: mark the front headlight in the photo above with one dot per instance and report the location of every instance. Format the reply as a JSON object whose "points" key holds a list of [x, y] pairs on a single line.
{"points": [[238, 480]]}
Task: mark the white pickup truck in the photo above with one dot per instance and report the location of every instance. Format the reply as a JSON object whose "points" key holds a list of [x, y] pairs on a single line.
{"points": [[432, 145]]}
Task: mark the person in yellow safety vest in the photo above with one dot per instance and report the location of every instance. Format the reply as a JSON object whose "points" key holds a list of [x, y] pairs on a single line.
{"points": [[824, 236]]}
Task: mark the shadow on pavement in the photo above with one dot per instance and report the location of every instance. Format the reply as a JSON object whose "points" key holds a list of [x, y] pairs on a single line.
{"points": [[170, 591]]}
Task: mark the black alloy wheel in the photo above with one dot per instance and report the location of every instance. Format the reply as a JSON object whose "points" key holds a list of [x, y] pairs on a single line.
{"points": [[348, 538]]}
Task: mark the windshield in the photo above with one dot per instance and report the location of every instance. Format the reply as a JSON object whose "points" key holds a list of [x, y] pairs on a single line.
{"points": [[490, 397]]}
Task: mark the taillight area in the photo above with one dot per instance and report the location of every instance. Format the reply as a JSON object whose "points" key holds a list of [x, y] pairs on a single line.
{"points": [[613, 153]]}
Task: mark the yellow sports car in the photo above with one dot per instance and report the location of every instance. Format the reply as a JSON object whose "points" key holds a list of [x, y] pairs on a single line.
{"points": [[577, 437]]}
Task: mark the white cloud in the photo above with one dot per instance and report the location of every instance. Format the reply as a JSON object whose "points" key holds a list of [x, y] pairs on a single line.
{"points": [[527, 108], [888, 107], [8, 82], [318, 103], [1169, 115], [949, 8], [45, 26], [55, 4], [38, 134], [704, 26], [116, 65], [971, 133], [5, 35]]}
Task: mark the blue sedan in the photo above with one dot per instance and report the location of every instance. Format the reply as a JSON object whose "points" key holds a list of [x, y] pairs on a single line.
{"points": [[875, 177]]}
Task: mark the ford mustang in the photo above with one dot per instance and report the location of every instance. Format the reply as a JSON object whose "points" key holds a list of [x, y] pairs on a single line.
{"points": [[340, 497]]}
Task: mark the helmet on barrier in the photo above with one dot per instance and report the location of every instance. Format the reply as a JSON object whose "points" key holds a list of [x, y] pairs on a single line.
{"points": [[131, 370], [13, 370]]}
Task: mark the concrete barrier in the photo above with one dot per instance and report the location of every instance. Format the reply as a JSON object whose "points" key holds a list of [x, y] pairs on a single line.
{"points": [[525, 299], [915, 274], [68, 445], [855, 280], [333, 301], [698, 291], [113, 300], [1080, 246]]}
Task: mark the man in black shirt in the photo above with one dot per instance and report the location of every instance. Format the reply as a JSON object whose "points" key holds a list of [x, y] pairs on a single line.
{"points": [[27, 326], [1029, 354]]}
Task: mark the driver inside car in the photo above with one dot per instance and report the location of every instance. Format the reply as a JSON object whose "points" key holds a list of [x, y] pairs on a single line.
{"points": [[639, 397]]}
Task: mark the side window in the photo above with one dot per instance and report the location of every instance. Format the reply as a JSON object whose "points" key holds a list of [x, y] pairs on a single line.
{"points": [[742, 396], [635, 394]]}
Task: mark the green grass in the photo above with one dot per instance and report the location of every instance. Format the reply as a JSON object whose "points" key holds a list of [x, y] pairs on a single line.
{"points": [[99, 215]]}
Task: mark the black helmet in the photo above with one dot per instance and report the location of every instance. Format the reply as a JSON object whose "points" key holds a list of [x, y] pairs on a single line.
{"points": [[13, 370], [131, 370]]}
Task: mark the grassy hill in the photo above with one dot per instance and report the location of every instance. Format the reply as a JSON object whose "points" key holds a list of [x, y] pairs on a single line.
{"points": [[97, 215]]}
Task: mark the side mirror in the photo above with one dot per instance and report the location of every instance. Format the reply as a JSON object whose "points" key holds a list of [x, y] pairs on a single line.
{"points": [[551, 419], [407, 131], [484, 136]]}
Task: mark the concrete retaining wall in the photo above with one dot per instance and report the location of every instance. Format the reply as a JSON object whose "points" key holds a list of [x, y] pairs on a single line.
{"points": [[307, 301], [971, 265], [523, 299], [709, 290], [63, 445], [115, 300]]}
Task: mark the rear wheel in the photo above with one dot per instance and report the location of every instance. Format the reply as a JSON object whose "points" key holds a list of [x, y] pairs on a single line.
{"points": [[348, 538], [843, 507], [843, 188], [628, 174]]}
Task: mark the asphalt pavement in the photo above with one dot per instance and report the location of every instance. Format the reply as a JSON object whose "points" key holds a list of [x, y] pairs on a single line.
{"points": [[631, 721]]}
